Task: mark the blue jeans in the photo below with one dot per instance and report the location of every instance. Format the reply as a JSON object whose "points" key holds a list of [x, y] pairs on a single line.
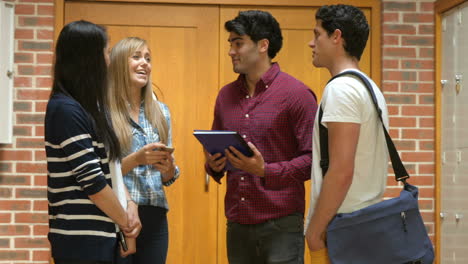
{"points": [[277, 241], [152, 243]]}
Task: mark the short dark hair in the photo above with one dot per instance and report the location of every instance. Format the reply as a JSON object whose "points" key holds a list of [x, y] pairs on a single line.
{"points": [[352, 23], [80, 72], [258, 25]]}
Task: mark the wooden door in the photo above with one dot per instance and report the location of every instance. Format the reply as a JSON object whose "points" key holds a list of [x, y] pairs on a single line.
{"points": [[295, 58], [184, 44]]}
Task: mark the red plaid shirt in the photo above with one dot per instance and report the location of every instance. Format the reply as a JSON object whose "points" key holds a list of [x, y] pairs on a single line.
{"points": [[278, 120]]}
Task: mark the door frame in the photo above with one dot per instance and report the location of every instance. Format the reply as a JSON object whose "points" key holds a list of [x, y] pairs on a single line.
{"points": [[440, 7], [374, 6]]}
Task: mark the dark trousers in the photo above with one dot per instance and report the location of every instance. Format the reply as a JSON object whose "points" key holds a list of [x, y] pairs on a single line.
{"points": [[152, 243], [277, 241], [58, 261]]}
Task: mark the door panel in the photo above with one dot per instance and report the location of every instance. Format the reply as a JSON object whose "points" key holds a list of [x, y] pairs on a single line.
{"points": [[183, 41]]}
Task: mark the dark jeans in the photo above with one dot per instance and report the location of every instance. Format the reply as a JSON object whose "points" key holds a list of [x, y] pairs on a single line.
{"points": [[152, 243], [58, 261], [277, 241]]}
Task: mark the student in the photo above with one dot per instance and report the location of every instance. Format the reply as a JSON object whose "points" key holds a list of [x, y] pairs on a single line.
{"points": [[274, 112], [357, 173], [83, 208], [143, 128]]}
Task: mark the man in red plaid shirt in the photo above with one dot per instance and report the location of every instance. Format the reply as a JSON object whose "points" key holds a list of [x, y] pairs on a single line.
{"points": [[274, 113]]}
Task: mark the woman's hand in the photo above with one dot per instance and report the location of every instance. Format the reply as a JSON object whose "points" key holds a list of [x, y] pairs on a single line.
{"points": [[134, 223]]}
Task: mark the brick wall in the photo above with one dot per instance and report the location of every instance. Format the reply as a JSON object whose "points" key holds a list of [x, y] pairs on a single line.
{"points": [[23, 202], [408, 84], [407, 81]]}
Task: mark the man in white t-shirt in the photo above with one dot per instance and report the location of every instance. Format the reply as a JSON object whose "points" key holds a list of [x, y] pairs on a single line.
{"points": [[358, 156]]}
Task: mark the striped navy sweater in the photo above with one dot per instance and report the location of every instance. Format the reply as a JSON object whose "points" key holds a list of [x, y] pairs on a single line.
{"points": [[77, 166]]}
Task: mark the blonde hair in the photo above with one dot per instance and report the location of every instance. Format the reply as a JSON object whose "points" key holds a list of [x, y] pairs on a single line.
{"points": [[119, 95]]}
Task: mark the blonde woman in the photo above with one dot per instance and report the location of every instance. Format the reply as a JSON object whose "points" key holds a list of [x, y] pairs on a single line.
{"points": [[143, 128]]}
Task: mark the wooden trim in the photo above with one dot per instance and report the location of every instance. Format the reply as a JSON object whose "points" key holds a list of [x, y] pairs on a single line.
{"points": [[358, 3], [375, 41], [440, 7], [444, 5], [438, 130], [59, 13]]}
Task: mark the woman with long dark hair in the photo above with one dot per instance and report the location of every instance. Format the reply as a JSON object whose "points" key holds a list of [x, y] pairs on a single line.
{"points": [[80, 144]]}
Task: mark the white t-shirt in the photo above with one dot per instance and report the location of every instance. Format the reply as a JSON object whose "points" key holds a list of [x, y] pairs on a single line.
{"points": [[346, 99]]}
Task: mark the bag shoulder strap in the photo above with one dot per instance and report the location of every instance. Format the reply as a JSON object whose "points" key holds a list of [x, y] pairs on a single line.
{"points": [[399, 169]]}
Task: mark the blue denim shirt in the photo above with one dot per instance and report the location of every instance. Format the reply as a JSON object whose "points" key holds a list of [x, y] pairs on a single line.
{"points": [[144, 182]]}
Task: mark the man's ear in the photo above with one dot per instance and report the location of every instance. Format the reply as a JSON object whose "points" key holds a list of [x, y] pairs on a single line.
{"points": [[263, 45], [337, 36]]}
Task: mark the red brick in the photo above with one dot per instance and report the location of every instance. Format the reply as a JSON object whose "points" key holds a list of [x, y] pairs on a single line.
{"points": [[21, 57], [417, 64], [25, 21], [40, 180], [31, 242], [21, 106], [427, 169], [390, 64], [33, 193], [426, 30], [40, 107], [426, 192], [426, 99], [394, 133], [22, 119], [391, 41], [390, 86], [14, 230], [39, 131], [392, 192], [44, 58], [405, 145], [35, 45], [41, 255], [31, 167], [399, 52], [427, 122], [39, 155], [402, 122], [32, 218], [426, 53], [417, 87], [400, 99], [47, 10], [393, 110], [418, 133], [14, 255], [5, 217], [418, 18], [5, 192], [24, 34], [427, 6], [426, 204], [33, 94], [391, 17], [15, 179], [399, 29], [5, 167], [41, 230], [15, 155], [399, 6], [399, 75], [426, 145], [44, 82], [417, 41], [22, 82], [15, 205], [40, 205], [30, 142], [418, 111], [22, 131], [22, 9], [417, 156], [426, 76], [45, 34], [422, 180]]}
